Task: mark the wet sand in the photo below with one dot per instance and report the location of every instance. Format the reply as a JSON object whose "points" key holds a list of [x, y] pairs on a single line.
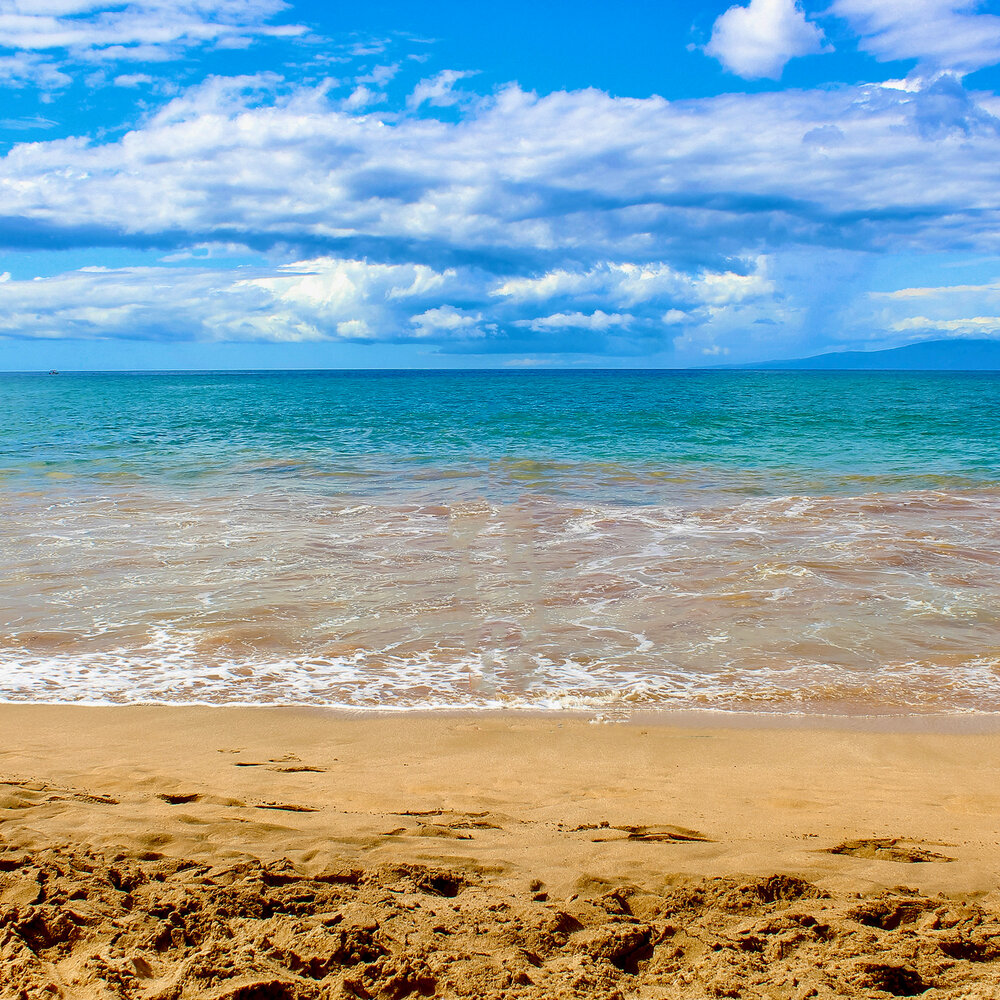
{"points": [[258, 853]]}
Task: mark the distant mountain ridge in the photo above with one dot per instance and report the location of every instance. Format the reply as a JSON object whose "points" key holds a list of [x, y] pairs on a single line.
{"points": [[930, 355]]}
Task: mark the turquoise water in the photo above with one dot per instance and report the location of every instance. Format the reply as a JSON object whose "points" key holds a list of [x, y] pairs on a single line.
{"points": [[739, 541], [610, 436]]}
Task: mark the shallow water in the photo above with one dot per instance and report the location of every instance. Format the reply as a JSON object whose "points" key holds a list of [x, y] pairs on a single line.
{"points": [[786, 542]]}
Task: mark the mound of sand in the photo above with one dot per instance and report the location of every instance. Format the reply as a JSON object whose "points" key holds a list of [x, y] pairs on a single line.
{"points": [[75, 923]]}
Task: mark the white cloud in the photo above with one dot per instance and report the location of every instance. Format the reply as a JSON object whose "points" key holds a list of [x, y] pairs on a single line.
{"points": [[324, 298], [439, 90], [597, 320], [631, 284], [759, 39], [320, 299], [968, 326], [907, 314], [562, 213], [447, 321], [362, 97], [947, 293], [941, 34], [354, 329], [133, 80], [580, 176], [147, 30], [379, 76], [24, 68], [355, 297]]}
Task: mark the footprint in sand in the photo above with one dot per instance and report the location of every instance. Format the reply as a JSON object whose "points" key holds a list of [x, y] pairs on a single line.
{"points": [[660, 834], [102, 800], [286, 807], [179, 798], [454, 820], [28, 793], [22, 794], [284, 765], [437, 830], [888, 849], [17, 801], [186, 798], [450, 826]]}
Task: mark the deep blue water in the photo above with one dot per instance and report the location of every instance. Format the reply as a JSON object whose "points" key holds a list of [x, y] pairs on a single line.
{"points": [[628, 437]]}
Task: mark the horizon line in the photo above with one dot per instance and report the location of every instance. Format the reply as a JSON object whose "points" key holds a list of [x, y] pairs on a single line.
{"points": [[748, 367]]}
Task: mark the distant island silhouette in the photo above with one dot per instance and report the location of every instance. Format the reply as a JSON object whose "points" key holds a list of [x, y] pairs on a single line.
{"points": [[929, 355]]}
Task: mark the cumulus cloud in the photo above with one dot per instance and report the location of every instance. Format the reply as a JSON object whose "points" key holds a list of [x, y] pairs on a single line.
{"points": [[941, 34], [332, 298], [524, 182], [631, 284], [320, 299], [597, 320], [517, 222], [759, 39], [448, 322]]}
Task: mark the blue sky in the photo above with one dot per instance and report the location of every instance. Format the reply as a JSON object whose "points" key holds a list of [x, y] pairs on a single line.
{"points": [[251, 183]]}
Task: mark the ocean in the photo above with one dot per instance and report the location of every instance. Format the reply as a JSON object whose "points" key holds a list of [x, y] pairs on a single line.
{"points": [[781, 542]]}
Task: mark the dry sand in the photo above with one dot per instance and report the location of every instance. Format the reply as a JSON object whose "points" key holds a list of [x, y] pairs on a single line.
{"points": [[252, 854]]}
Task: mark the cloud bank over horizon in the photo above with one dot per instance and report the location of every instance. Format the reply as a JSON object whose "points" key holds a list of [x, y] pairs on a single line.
{"points": [[371, 198]]}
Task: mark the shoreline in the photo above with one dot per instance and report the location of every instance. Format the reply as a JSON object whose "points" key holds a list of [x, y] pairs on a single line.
{"points": [[971, 722]]}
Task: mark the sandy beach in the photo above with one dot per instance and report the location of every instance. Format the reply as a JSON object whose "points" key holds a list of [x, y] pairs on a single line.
{"points": [[255, 853]]}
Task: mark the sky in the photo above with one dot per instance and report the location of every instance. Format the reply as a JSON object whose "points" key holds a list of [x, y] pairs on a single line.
{"points": [[267, 184]]}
